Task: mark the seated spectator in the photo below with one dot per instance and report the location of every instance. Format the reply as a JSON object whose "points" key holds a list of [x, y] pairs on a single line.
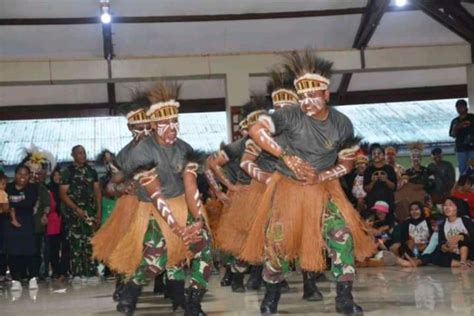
{"points": [[415, 232], [380, 180], [383, 224], [455, 243], [443, 175], [463, 190]]}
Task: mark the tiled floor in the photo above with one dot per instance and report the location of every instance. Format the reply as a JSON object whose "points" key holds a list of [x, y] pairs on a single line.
{"points": [[387, 291]]}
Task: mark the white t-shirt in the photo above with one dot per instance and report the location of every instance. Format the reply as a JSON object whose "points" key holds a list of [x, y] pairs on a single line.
{"points": [[358, 187], [454, 228], [419, 233]]}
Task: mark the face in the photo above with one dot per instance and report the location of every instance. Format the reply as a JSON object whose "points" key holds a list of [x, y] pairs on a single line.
{"points": [[41, 176], [140, 131], [56, 177], [167, 130], [22, 177], [360, 167], [3, 184], [377, 155], [390, 156], [416, 160], [79, 155], [450, 209], [312, 103], [461, 109], [415, 211], [35, 171], [381, 215], [437, 158]]}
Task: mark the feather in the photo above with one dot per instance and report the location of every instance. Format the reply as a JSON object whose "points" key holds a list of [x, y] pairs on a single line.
{"points": [[164, 91], [307, 61]]}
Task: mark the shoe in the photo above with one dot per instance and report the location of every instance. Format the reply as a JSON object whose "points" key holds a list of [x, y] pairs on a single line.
{"points": [[311, 292], [227, 279], [83, 279], [33, 294], [33, 284], [129, 298], [76, 280], [193, 304], [159, 287], [344, 301], [238, 283], [255, 280], [16, 286], [118, 291], [270, 300], [284, 287], [176, 293]]}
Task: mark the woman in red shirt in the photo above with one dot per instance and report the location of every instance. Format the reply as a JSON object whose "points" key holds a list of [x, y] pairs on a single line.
{"points": [[463, 190]]}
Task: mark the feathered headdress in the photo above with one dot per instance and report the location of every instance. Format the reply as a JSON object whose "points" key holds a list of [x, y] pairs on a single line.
{"points": [[37, 159], [258, 105], [163, 98], [135, 111], [280, 87], [416, 148], [312, 73]]}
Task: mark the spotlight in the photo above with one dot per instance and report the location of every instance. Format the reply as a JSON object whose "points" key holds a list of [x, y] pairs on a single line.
{"points": [[400, 3], [105, 16]]}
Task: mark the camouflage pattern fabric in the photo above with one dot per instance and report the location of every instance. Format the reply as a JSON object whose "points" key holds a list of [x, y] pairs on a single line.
{"points": [[339, 244], [79, 236]]}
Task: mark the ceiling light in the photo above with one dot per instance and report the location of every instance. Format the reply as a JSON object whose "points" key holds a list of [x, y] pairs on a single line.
{"points": [[400, 3]]}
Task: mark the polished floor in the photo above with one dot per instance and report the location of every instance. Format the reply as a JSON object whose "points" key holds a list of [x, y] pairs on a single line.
{"points": [[381, 291]]}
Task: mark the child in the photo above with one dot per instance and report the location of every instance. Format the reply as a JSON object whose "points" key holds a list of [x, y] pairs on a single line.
{"points": [[4, 204]]}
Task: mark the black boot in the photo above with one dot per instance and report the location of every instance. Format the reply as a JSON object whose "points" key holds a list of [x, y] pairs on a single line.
{"points": [[311, 292], [129, 298], [176, 293], [255, 280], [344, 301], [227, 279], [159, 287], [193, 305], [284, 287], [319, 277], [118, 291], [270, 300], [238, 283]]}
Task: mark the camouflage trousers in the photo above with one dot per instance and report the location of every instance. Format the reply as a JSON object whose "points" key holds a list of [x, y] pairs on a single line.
{"points": [[339, 245], [79, 236], [155, 259]]}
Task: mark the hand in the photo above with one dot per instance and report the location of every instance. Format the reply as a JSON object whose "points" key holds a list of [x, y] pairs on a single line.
{"points": [[131, 188], [44, 219], [312, 178], [224, 198], [80, 213], [191, 233], [454, 240], [383, 178], [375, 178], [300, 167]]}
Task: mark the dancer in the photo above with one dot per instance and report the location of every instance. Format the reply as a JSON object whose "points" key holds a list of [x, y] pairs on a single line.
{"points": [[305, 208]]}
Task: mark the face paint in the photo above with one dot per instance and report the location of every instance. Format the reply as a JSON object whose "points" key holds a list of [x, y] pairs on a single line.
{"points": [[168, 131], [312, 105]]}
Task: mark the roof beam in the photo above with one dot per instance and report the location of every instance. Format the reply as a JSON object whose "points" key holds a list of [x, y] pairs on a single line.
{"points": [[368, 24], [451, 15], [196, 18]]}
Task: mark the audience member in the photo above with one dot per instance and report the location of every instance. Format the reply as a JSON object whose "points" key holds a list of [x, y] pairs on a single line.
{"points": [[20, 241], [462, 130], [81, 195], [463, 191], [354, 181], [380, 180], [415, 232], [443, 175], [417, 173], [390, 157]]}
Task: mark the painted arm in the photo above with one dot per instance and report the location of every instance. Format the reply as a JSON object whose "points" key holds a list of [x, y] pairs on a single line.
{"points": [[191, 191], [149, 180], [252, 151], [215, 163], [344, 165], [261, 133]]}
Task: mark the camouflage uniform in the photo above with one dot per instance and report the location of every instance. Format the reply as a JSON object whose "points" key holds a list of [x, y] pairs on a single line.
{"points": [[81, 192]]}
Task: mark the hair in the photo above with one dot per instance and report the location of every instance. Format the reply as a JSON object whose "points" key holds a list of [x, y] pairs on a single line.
{"points": [[22, 166], [376, 146], [76, 147], [51, 176], [437, 151], [461, 102]]}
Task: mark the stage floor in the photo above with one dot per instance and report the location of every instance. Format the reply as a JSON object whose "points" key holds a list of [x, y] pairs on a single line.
{"points": [[381, 291]]}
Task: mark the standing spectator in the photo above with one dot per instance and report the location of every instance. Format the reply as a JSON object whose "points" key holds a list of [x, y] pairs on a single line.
{"points": [[354, 181], [462, 129], [20, 241], [380, 180], [80, 192], [444, 176], [56, 238], [417, 173], [4, 210], [391, 156]]}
